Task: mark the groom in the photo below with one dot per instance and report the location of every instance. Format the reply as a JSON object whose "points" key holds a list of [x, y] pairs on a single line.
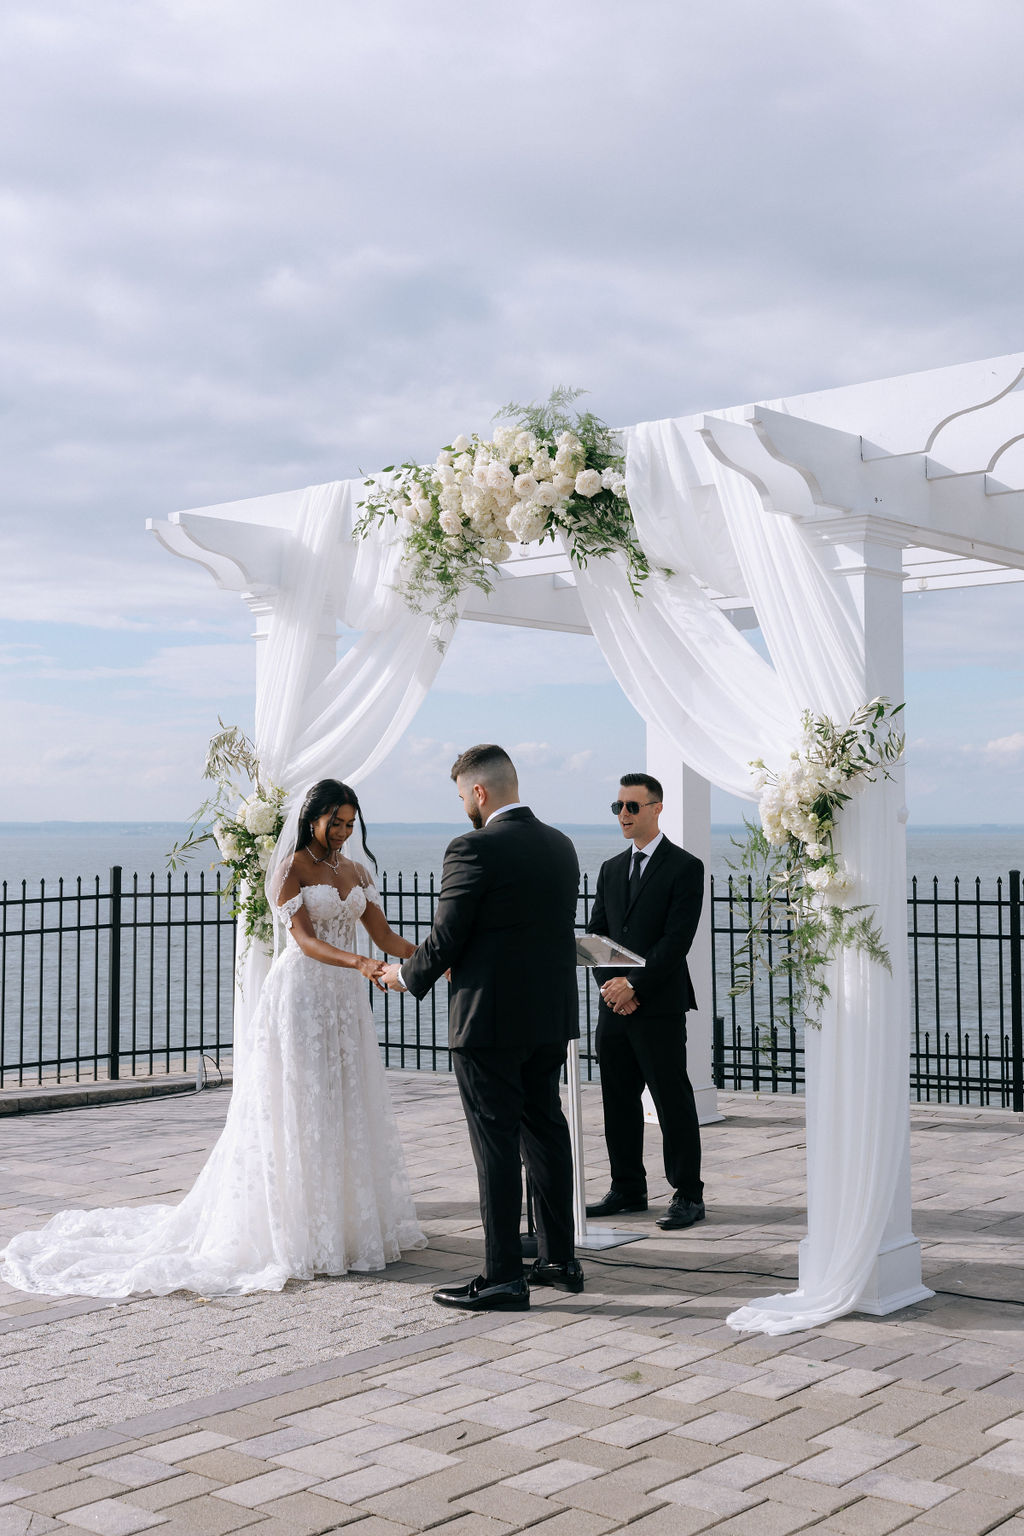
{"points": [[505, 928]]}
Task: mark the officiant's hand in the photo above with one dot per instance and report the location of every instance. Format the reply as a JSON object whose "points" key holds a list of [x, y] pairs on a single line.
{"points": [[619, 995], [391, 976]]}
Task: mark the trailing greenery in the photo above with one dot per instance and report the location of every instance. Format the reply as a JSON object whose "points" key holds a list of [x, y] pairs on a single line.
{"points": [[793, 869], [246, 835], [548, 472]]}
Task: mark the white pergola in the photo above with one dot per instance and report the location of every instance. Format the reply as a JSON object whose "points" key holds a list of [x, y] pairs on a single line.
{"points": [[913, 483]]}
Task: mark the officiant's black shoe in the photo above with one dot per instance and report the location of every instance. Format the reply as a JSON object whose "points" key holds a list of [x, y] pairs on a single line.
{"points": [[564, 1277], [615, 1204], [681, 1213], [478, 1296]]}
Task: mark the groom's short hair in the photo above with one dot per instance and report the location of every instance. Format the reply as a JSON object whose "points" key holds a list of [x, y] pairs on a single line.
{"points": [[488, 764], [642, 780]]}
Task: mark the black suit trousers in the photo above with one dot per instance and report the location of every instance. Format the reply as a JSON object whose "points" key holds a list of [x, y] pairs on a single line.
{"points": [[631, 1055], [514, 1114]]}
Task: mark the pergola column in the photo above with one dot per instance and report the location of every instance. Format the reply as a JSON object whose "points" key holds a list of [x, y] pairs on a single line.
{"points": [[686, 819], [868, 556]]}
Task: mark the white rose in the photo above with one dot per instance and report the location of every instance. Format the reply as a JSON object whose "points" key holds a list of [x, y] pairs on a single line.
{"points": [[423, 510], [499, 477], [547, 494], [260, 816], [609, 477], [588, 482], [525, 486], [564, 484], [461, 443], [819, 879], [445, 459], [451, 523], [814, 850], [463, 463], [568, 440], [445, 474], [404, 509]]}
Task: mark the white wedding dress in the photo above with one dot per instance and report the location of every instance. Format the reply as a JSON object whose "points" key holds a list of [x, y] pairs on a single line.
{"points": [[307, 1177]]}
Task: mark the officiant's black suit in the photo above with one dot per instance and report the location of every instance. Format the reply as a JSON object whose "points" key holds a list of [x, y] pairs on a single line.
{"points": [[658, 921], [504, 925]]}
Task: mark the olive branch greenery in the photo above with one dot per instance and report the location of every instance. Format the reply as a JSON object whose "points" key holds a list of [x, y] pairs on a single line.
{"points": [[245, 836], [792, 866]]}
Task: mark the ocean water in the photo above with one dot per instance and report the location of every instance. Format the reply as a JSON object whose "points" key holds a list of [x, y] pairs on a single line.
{"points": [[53, 997], [52, 850]]}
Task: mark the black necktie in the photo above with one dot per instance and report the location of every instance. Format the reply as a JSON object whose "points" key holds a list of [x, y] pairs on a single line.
{"points": [[635, 873]]}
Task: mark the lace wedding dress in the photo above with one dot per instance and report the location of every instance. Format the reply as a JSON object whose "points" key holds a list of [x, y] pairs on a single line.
{"points": [[307, 1176]]}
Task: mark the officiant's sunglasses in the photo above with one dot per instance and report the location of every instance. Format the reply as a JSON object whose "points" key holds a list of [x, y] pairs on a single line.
{"points": [[634, 807]]}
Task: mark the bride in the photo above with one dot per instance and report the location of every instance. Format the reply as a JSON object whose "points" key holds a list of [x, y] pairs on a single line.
{"points": [[308, 1175]]}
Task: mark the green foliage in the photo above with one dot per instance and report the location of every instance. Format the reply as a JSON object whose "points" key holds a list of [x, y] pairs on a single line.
{"points": [[245, 835], [451, 544], [796, 918]]}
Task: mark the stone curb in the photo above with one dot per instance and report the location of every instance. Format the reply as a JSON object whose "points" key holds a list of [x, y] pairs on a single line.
{"points": [[32, 1101]]}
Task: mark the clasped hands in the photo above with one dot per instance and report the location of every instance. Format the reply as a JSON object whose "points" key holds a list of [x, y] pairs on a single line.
{"points": [[619, 995]]}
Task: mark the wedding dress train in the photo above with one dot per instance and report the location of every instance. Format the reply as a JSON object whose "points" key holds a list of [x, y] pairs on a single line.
{"points": [[307, 1177]]}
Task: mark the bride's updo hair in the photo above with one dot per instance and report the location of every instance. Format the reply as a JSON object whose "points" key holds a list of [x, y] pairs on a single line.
{"points": [[327, 795]]}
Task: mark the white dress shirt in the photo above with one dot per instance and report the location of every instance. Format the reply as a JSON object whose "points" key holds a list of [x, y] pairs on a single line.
{"points": [[646, 852]]}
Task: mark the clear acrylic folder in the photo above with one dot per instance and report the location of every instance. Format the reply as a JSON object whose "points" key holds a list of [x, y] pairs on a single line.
{"points": [[594, 949]]}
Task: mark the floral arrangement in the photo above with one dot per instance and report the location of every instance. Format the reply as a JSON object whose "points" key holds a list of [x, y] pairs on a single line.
{"points": [[545, 473], [791, 858], [245, 836]]}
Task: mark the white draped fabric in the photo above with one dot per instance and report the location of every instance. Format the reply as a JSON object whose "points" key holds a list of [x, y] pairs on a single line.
{"points": [[695, 677], [343, 725]]}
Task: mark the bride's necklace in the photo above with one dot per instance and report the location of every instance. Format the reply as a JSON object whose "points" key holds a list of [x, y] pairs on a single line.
{"points": [[332, 863]]}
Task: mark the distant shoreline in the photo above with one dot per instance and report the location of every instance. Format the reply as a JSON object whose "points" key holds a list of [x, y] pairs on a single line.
{"points": [[400, 828]]}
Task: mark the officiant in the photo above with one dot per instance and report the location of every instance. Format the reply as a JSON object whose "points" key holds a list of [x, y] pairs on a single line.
{"points": [[648, 899]]}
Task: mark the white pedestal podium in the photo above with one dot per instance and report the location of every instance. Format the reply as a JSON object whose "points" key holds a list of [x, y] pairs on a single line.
{"points": [[587, 1236]]}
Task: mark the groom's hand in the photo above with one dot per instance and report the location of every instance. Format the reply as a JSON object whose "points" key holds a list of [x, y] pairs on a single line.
{"points": [[391, 976]]}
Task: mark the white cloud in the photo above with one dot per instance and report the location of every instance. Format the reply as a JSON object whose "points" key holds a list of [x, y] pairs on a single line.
{"points": [[1006, 749]]}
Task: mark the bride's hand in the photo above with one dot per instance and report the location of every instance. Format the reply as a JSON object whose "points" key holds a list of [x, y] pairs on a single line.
{"points": [[371, 969]]}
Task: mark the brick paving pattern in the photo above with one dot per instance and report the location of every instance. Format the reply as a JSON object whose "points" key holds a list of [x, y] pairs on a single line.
{"points": [[355, 1405]]}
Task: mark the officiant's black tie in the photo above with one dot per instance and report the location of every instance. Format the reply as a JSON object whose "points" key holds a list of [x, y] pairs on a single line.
{"points": [[635, 873]]}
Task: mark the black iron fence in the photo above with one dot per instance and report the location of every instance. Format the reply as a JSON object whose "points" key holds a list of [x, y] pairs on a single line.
{"points": [[964, 951], [137, 978]]}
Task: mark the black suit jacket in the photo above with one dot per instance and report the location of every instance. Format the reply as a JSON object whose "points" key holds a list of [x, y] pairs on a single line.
{"points": [[659, 924], [505, 925]]}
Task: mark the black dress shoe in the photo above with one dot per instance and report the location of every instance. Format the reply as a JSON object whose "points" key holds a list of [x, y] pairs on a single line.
{"points": [[615, 1204], [564, 1277], [478, 1296], [681, 1213]]}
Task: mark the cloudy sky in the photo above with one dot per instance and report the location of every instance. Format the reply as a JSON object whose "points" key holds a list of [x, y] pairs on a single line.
{"points": [[251, 246]]}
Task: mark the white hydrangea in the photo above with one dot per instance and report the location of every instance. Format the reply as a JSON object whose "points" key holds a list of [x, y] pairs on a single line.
{"points": [[543, 464], [226, 841], [527, 521], [496, 550], [260, 816]]}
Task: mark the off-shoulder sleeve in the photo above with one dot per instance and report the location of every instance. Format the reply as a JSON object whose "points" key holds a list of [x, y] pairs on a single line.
{"points": [[371, 893], [287, 910]]}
